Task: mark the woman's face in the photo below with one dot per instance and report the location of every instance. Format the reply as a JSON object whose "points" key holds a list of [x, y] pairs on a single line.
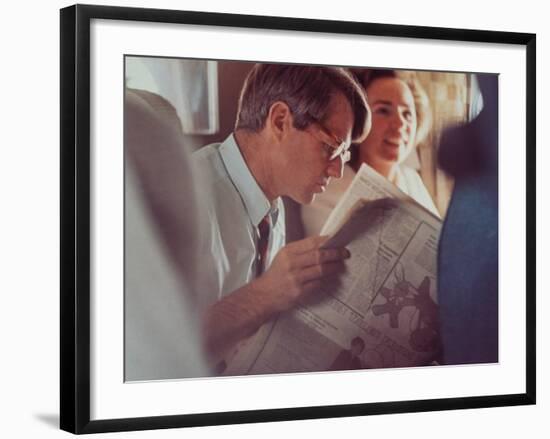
{"points": [[393, 122]]}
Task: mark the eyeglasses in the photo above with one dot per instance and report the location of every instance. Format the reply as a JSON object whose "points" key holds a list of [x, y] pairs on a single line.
{"points": [[342, 150]]}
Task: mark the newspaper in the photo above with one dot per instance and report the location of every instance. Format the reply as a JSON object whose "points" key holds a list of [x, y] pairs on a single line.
{"points": [[381, 313]]}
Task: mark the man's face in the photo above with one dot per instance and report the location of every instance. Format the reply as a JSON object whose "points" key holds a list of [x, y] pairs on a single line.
{"points": [[307, 166]]}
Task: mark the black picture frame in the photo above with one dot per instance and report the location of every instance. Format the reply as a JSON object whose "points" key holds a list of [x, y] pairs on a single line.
{"points": [[76, 211]]}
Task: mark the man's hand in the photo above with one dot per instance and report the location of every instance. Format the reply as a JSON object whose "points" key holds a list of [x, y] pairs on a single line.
{"points": [[298, 269]]}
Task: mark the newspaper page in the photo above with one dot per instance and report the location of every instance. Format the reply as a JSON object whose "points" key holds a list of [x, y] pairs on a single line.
{"points": [[381, 313]]}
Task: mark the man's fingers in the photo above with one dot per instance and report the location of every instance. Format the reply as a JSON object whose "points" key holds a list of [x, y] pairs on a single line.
{"points": [[317, 257], [307, 244], [320, 271]]}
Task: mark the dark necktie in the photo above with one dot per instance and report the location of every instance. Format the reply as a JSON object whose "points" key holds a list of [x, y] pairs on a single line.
{"points": [[263, 241]]}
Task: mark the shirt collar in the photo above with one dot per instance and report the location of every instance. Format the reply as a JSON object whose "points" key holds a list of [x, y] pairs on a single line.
{"points": [[255, 201]]}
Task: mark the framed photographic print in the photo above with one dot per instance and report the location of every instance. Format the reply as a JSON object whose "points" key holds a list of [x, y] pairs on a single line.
{"points": [[268, 218]]}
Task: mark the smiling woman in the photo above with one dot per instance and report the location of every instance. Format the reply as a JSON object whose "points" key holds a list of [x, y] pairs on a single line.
{"points": [[401, 118]]}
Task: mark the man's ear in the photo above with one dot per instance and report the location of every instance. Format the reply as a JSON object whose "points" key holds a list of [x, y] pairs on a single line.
{"points": [[279, 119]]}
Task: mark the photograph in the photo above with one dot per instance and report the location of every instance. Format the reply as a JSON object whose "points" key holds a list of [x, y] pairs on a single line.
{"points": [[285, 218]]}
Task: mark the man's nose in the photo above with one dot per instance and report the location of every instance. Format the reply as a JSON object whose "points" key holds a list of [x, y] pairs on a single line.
{"points": [[336, 167]]}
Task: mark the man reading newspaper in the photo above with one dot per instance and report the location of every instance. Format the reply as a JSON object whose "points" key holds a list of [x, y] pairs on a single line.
{"points": [[387, 297]]}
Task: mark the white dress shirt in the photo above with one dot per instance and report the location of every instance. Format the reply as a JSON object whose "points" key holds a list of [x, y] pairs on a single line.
{"points": [[235, 205]]}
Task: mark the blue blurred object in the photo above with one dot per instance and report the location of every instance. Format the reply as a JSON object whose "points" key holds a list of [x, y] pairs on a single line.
{"points": [[468, 246]]}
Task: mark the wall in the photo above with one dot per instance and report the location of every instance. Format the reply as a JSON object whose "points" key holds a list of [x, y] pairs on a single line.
{"points": [[29, 223], [231, 76], [448, 94]]}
